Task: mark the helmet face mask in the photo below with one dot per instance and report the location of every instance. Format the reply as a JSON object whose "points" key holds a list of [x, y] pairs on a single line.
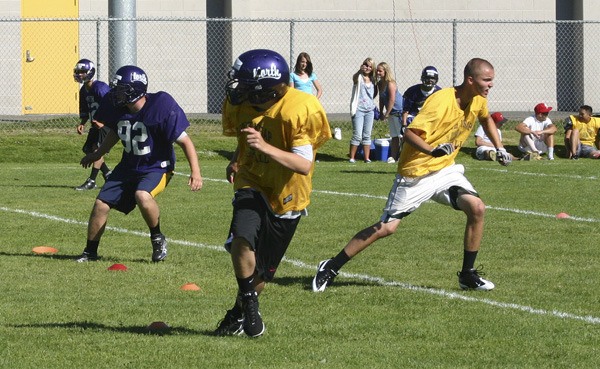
{"points": [[84, 71], [254, 75], [129, 85], [429, 77]]}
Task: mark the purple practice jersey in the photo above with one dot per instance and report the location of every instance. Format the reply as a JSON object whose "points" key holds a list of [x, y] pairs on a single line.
{"points": [[414, 98], [148, 135], [90, 100]]}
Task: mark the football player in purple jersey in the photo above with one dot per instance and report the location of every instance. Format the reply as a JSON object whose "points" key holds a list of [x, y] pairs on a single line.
{"points": [[90, 94], [415, 96], [147, 124]]}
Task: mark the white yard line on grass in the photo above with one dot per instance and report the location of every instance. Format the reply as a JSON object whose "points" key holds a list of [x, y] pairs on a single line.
{"points": [[300, 264], [564, 175]]}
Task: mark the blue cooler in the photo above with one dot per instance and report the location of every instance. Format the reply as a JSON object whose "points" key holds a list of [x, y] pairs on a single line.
{"points": [[382, 149]]}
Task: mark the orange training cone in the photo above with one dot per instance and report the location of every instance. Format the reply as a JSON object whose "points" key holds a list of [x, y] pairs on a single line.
{"points": [[44, 250], [117, 267], [190, 287]]}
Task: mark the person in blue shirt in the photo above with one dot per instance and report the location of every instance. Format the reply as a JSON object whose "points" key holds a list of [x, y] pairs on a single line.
{"points": [[304, 78]]}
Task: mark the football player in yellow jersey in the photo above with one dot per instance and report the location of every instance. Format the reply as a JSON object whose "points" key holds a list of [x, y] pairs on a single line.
{"points": [[426, 170], [581, 134], [278, 129]]}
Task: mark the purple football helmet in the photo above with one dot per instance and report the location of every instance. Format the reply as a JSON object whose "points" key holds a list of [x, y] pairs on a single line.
{"points": [[84, 71], [129, 85], [253, 76], [429, 77]]}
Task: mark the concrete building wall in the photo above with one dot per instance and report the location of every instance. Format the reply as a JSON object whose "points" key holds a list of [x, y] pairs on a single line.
{"points": [[405, 9], [417, 46]]}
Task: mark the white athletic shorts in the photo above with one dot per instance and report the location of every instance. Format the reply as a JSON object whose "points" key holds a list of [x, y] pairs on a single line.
{"points": [[443, 186]]}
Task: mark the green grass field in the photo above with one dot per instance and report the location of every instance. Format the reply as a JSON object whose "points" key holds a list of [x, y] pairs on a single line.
{"points": [[396, 305]]}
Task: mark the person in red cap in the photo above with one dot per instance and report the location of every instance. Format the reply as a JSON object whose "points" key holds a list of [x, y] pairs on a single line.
{"points": [[537, 134], [581, 134], [485, 147]]}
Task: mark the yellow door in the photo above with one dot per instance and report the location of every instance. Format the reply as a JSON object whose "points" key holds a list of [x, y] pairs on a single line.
{"points": [[49, 53]]}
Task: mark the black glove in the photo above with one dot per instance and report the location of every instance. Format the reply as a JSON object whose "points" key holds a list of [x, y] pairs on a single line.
{"points": [[442, 149]]}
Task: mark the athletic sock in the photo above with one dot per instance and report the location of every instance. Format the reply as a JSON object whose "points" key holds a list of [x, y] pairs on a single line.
{"points": [[155, 231], [94, 174], [469, 260], [246, 284], [104, 169], [339, 260], [550, 152], [91, 247]]}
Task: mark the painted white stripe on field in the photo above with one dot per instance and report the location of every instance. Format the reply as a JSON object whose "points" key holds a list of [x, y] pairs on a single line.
{"points": [[516, 211], [563, 175], [300, 264]]}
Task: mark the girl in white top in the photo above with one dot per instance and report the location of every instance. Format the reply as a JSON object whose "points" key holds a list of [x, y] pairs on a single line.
{"points": [[362, 109]]}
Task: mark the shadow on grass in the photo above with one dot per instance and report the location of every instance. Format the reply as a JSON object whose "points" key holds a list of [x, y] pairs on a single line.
{"points": [[306, 282], [99, 327], [75, 256], [224, 153], [41, 185], [369, 172]]}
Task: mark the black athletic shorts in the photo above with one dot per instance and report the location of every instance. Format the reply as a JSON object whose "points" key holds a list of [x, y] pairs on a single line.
{"points": [[268, 235], [94, 139]]}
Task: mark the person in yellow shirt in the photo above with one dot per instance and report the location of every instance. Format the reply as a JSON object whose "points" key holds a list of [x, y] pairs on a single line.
{"points": [[426, 170], [581, 134], [279, 130]]}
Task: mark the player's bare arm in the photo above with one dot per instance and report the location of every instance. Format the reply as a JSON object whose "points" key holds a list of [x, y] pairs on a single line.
{"points": [[479, 141], [288, 159], [97, 124], [392, 99], [81, 126], [491, 131], [412, 136], [232, 167], [186, 144], [109, 141]]}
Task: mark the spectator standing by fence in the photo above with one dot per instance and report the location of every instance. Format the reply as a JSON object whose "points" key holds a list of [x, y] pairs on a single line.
{"points": [[304, 77], [390, 105], [362, 109]]}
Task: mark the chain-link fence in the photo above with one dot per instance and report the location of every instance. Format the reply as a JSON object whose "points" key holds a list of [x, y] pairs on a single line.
{"points": [[545, 61]]}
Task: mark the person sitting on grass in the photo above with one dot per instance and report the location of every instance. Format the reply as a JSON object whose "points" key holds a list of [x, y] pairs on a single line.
{"points": [[581, 134], [485, 147], [537, 134]]}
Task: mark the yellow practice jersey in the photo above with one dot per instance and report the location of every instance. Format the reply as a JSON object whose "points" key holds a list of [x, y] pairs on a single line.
{"points": [[297, 119], [440, 120], [587, 131]]}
